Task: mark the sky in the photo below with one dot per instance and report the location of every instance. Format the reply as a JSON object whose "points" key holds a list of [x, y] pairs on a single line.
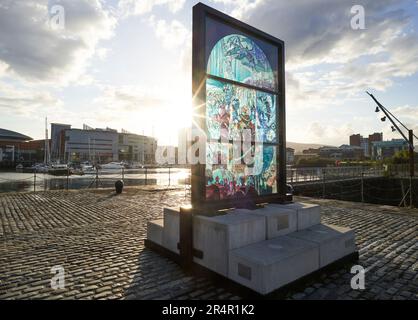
{"points": [[127, 64]]}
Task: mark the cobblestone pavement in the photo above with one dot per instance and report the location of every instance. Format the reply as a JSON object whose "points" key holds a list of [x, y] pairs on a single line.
{"points": [[98, 238]]}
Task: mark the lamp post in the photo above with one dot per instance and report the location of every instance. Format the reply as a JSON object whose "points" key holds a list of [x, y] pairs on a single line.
{"points": [[409, 140]]}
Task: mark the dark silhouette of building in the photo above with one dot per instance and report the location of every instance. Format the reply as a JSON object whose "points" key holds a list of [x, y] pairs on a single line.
{"points": [[19, 148], [355, 140]]}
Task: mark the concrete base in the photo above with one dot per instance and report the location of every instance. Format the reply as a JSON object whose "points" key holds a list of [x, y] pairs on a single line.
{"points": [[308, 214], [271, 264], [245, 292], [155, 231], [171, 233], [279, 221], [216, 236], [234, 245], [334, 242]]}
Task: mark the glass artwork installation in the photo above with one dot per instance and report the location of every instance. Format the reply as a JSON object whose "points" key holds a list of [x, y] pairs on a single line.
{"points": [[238, 58], [228, 177], [230, 109], [240, 105]]}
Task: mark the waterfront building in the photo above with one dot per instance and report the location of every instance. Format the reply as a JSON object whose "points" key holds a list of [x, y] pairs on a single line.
{"points": [[358, 140], [16, 148], [387, 149], [100, 145], [290, 155]]}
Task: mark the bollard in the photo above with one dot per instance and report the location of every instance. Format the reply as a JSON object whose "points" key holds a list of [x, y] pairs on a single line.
{"points": [[97, 178], [118, 186], [68, 175], [169, 176], [410, 193], [146, 176]]}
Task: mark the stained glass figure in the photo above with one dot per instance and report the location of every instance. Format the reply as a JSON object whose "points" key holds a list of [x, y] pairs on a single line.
{"points": [[238, 58]]}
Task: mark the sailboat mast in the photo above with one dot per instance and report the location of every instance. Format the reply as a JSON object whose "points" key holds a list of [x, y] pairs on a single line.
{"points": [[46, 155]]}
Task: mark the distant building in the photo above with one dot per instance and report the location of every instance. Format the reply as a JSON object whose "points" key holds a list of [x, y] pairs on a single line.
{"points": [[16, 148], [355, 140], [365, 143], [136, 148], [97, 146], [314, 151], [376, 137], [299, 157], [387, 149], [58, 139], [100, 145], [290, 155], [344, 152]]}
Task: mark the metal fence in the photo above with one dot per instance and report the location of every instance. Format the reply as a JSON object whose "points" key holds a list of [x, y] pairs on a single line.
{"points": [[345, 183], [304, 175], [36, 181]]}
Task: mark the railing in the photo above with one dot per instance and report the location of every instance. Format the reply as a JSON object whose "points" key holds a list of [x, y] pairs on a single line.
{"points": [[331, 182], [304, 175], [102, 178]]}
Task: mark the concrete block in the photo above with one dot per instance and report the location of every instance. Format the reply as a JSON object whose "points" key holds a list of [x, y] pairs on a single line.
{"points": [[271, 264], [334, 242], [171, 232], [279, 221], [308, 214], [215, 236], [155, 231]]}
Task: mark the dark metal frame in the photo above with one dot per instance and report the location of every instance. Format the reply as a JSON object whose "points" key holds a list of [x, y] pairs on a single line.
{"points": [[198, 181]]}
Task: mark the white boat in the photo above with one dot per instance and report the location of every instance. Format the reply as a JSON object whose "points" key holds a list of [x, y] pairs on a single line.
{"points": [[88, 169], [58, 169], [112, 165], [40, 168]]}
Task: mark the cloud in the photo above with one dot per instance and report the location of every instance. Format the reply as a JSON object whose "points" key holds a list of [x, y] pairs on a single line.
{"points": [[331, 133], [117, 99], [172, 34], [140, 7], [36, 52], [26, 102], [327, 62], [408, 115]]}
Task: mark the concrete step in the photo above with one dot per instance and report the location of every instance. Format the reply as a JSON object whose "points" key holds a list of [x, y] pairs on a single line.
{"points": [[171, 233], [279, 221], [334, 242], [271, 264], [216, 236], [308, 214], [155, 231]]}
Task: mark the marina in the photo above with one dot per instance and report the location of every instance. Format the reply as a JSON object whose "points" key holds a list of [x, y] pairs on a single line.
{"points": [[31, 181]]}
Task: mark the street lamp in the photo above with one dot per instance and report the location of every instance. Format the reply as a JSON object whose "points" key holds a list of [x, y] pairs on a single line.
{"points": [[395, 127]]}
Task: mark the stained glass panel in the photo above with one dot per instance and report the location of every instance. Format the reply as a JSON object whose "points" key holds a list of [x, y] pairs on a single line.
{"points": [[230, 109], [236, 57], [230, 176]]}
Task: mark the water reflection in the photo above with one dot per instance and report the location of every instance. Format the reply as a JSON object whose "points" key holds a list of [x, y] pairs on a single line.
{"points": [[15, 181]]}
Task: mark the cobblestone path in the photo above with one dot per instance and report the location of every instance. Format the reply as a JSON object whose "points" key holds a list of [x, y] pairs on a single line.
{"points": [[98, 238]]}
